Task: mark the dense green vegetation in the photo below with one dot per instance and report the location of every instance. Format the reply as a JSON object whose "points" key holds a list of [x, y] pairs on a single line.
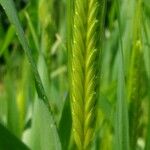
{"points": [[74, 74]]}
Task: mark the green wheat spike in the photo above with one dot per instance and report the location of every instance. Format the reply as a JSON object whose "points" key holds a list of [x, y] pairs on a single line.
{"points": [[84, 70]]}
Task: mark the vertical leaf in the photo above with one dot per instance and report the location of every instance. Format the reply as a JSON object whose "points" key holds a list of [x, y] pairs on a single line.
{"points": [[43, 134], [122, 127]]}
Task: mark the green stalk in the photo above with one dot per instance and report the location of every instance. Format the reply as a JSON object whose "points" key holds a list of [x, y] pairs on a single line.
{"points": [[85, 69]]}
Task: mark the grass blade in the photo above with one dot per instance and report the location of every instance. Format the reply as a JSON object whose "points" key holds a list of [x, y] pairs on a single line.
{"points": [[8, 38], [147, 55], [65, 123], [43, 134], [122, 129], [122, 126], [33, 32], [9, 141], [12, 109]]}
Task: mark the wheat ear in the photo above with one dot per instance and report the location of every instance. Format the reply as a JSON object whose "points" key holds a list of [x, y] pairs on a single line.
{"points": [[84, 71]]}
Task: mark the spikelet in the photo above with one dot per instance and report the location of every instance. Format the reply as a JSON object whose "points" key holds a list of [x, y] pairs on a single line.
{"points": [[84, 70]]}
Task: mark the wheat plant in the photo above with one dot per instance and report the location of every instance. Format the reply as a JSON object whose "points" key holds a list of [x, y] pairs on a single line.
{"points": [[74, 75]]}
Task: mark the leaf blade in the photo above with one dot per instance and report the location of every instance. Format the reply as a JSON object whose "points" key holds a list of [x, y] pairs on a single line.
{"points": [[9, 141], [65, 122]]}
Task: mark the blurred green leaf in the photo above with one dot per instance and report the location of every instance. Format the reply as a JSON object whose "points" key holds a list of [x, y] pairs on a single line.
{"points": [[33, 32], [43, 135], [12, 108], [8, 38], [65, 124], [122, 127], [9, 142]]}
